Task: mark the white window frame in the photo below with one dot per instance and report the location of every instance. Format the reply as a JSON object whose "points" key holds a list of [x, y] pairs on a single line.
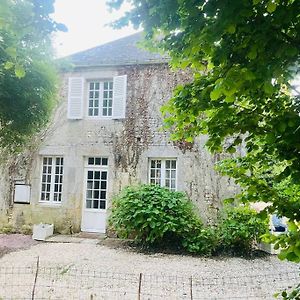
{"points": [[163, 171], [52, 182], [101, 94], [96, 167]]}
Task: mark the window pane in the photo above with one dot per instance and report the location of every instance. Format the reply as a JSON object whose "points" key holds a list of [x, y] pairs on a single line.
{"points": [[91, 85], [96, 184], [91, 161], [103, 175], [102, 204], [97, 174], [103, 195], [104, 161], [96, 204], [96, 194], [173, 185], [90, 174], [88, 203], [97, 161], [103, 185], [89, 184], [97, 85], [89, 194], [173, 164]]}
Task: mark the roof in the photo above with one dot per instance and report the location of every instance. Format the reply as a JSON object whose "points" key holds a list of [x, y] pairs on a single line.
{"points": [[124, 51]]}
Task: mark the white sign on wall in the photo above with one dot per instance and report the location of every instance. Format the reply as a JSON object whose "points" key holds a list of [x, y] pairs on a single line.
{"points": [[22, 193]]}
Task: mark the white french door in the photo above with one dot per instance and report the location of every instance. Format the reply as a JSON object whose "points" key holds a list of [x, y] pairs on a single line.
{"points": [[95, 195]]}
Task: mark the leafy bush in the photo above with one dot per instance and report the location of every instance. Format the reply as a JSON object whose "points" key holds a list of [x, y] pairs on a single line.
{"points": [[153, 215], [202, 241], [239, 229]]}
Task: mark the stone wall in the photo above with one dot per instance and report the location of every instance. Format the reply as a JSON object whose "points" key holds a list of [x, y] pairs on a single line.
{"points": [[128, 143]]}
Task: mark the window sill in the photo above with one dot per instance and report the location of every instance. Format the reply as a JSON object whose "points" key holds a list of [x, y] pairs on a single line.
{"points": [[49, 204]]}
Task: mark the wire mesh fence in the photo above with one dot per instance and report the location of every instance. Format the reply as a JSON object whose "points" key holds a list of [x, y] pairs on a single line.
{"points": [[69, 282]]}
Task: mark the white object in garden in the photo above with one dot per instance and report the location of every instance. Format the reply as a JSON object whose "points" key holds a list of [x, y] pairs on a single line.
{"points": [[42, 231]]}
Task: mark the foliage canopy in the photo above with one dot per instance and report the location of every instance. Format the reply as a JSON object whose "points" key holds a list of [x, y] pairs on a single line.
{"points": [[244, 56], [27, 77]]}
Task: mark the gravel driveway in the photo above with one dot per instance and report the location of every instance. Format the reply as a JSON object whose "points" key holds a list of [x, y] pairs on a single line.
{"points": [[89, 270]]}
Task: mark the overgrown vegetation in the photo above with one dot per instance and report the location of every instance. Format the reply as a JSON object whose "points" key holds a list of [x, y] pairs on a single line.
{"points": [[238, 229], [157, 217], [28, 82], [244, 56]]}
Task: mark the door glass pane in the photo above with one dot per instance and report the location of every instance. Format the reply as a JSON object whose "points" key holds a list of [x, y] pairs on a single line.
{"points": [[88, 203]]}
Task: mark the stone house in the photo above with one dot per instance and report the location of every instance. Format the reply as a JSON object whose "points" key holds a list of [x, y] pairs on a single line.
{"points": [[106, 134]]}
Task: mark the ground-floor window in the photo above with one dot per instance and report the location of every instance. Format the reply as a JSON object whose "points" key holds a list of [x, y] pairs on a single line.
{"points": [[163, 172], [96, 186], [52, 179]]}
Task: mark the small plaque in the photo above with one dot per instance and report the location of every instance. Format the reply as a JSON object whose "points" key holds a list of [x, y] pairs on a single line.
{"points": [[22, 193]]}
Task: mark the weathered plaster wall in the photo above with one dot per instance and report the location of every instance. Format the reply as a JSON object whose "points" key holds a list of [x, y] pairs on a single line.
{"points": [[128, 143]]}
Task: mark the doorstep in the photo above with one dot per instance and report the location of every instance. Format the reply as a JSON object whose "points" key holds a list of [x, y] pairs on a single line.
{"points": [[81, 238]]}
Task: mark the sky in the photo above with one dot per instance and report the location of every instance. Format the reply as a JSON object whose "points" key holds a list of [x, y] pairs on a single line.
{"points": [[87, 25]]}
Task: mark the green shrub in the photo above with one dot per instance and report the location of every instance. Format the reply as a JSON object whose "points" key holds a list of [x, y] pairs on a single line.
{"points": [[7, 229], [202, 241], [154, 215], [239, 229]]}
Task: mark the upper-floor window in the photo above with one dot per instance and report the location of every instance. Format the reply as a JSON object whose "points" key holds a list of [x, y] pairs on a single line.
{"points": [[100, 101], [163, 172], [97, 97]]}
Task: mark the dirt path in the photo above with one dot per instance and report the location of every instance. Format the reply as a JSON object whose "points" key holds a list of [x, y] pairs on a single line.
{"points": [[14, 242]]}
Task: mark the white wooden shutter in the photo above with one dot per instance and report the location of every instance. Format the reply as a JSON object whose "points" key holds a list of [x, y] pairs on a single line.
{"points": [[119, 97], [75, 98]]}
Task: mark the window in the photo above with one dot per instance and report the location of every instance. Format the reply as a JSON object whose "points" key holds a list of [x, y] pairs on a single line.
{"points": [[96, 188], [100, 101], [103, 98], [163, 173], [52, 179]]}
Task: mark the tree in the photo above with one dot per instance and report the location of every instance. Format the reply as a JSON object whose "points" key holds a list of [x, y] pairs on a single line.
{"points": [[27, 75], [243, 55]]}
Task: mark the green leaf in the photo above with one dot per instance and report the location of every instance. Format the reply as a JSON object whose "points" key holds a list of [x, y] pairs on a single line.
{"points": [[19, 71], [215, 94], [268, 88], [231, 28], [282, 127], [271, 7], [8, 65]]}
